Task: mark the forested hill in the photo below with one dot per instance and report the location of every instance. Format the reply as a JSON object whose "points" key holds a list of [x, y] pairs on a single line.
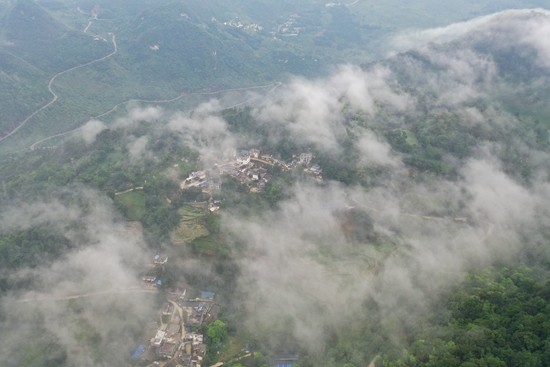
{"points": [[168, 48], [498, 318]]}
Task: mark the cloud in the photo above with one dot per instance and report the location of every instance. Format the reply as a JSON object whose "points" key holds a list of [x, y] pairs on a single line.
{"points": [[90, 130], [203, 130], [305, 269], [375, 151], [88, 302], [312, 110], [136, 113], [137, 149]]}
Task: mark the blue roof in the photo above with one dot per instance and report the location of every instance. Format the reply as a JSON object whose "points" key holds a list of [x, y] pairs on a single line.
{"points": [[138, 351], [283, 365], [159, 282], [207, 294]]}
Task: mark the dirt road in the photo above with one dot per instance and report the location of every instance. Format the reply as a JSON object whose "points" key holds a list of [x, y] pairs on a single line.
{"points": [[183, 94], [53, 93], [85, 295]]}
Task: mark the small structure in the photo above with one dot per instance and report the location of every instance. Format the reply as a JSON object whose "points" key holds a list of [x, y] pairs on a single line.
{"points": [[243, 159], [167, 309], [159, 337], [286, 360], [254, 153], [172, 363], [173, 330], [261, 186], [305, 158], [207, 295], [185, 359], [315, 168], [150, 280], [160, 259], [215, 184], [196, 176], [149, 354], [168, 350], [138, 351]]}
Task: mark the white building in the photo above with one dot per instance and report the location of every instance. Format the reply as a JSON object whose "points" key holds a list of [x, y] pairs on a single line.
{"points": [[215, 184], [159, 337], [305, 158], [244, 159]]}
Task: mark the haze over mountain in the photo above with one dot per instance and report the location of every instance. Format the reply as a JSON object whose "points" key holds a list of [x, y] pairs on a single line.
{"points": [[169, 48], [421, 237]]}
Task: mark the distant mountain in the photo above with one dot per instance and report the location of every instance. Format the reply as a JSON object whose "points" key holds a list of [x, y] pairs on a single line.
{"points": [[34, 35]]}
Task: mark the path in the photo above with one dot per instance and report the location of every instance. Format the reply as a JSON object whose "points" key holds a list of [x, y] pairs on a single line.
{"points": [[55, 95], [262, 161], [85, 295], [396, 213], [353, 3], [231, 361], [183, 94], [129, 190], [371, 364], [485, 237]]}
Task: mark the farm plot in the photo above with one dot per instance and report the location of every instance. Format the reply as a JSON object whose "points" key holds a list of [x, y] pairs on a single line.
{"points": [[191, 224]]}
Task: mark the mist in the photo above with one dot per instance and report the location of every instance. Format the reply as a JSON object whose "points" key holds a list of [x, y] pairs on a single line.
{"points": [[87, 302], [304, 271]]}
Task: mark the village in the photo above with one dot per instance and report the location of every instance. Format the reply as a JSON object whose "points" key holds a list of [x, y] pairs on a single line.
{"points": [[169, 341], [173, 339], [250, 167]]}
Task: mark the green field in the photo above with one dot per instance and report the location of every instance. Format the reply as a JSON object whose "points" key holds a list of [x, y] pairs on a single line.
{"points": [[191, 224], [134, 202]]}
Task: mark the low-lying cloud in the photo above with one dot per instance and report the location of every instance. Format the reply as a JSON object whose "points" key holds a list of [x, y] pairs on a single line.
{"points": [[88, 303]]}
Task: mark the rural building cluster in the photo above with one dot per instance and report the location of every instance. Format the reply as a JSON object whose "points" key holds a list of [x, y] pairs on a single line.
{"points": [[170, 341], [251, 166]]}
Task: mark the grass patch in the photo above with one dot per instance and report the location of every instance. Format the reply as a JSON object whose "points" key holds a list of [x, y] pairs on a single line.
{"points": [[191, 225], [231, 349], [135, 212], [134, 202], [136, 197], [208, 245], [411, 139]]}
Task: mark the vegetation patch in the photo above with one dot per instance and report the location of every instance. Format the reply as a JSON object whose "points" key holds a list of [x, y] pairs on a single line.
{"points": [[134, 201], [191, 224]]}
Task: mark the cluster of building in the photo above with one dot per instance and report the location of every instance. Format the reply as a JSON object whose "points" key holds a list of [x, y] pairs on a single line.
{"points": [[249, 166], [289, 28], [150, 280], [170, 340], [199, 179]]}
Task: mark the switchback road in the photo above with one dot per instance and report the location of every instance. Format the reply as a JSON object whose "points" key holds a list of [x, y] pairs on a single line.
{"points": [[53, 93]]}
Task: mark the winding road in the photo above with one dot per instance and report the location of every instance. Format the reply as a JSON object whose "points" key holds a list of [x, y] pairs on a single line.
{"points": [[183, 94], [395, 213], [53, 93]]}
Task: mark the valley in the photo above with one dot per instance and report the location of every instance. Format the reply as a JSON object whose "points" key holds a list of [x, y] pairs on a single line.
{"points": [[259, 183]]}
